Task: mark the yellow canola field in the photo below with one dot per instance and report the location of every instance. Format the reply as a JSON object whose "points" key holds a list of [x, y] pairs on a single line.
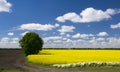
{"points": [[74, 56]]}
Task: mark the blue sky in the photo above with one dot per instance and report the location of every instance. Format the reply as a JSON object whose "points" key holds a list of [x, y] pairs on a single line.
{"points": [[61, 23]]}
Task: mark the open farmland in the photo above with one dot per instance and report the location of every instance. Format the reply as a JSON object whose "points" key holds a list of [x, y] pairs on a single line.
{"points": [[74, 56], [14, 60]]}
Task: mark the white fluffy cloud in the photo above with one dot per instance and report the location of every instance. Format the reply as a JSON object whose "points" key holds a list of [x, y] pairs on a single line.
{"points": [[113, 42], [14, 40], [10, 33], [37, 26], [5, 6], [115, 26], [110, 42], [57, 25], [52, 38], [78, 35], [68, 35], [100, 39], [7, 42], [82, 41], [65, 29], [68, 40], [102, 34], [60, 19], [88, 15]]}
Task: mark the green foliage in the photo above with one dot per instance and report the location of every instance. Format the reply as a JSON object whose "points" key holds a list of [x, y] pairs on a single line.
{"points": [[9, 70], [31, 43]]}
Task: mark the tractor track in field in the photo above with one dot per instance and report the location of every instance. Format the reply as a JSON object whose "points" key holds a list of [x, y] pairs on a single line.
{"points": [[14, 59]]}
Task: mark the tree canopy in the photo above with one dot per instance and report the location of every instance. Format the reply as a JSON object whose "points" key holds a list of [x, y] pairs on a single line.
{"points": [[31, 43]]}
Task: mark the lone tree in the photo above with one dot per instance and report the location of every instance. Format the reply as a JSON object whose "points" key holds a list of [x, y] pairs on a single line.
{"points": [[31, 43]]}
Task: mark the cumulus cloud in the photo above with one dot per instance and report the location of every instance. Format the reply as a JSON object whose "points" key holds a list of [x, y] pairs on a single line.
{"points": [[64, 38], [78, 35], [60, 19], [10, 33], [5, 6], [88, 15], [65, 29], [115, 26], [110, 42], [7, 42], [84, 35], [57, 25], [68, 40], [37, 26], [100, 39], [52, 38], [102, 34], [113, 42], [68, 35], [14, 40], [82, 41]]}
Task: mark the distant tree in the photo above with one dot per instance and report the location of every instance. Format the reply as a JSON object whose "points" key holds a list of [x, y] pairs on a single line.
{"points": [[31, 43]]}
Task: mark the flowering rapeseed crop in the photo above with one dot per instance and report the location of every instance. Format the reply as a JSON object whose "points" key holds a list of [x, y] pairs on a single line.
{"points": [[74, 56]]}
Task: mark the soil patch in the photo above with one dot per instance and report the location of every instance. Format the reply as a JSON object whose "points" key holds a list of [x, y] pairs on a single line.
{"points": [[11, 58]]}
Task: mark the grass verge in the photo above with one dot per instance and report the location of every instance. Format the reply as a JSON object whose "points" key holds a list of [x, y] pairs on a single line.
{"points": [[9, 70]]}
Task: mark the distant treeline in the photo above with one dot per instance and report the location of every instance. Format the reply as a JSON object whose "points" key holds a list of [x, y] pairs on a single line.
{"points": [[68, 48], [84, 48]]}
